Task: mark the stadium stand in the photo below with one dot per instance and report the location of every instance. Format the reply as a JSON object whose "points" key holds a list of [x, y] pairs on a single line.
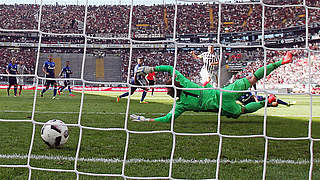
{"points": [[156, 23]]}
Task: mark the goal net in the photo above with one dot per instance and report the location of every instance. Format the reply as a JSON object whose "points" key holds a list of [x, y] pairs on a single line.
{"points": [[105, 143]]}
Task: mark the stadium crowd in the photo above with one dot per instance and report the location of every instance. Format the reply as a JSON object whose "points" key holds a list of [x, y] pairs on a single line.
{"points": [[196, 18], [296, 74], [156, 19]]}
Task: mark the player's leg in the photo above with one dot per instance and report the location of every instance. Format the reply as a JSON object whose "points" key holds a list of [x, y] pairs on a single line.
{"points": [[8, 89], [63, 87], [67, 83], [46, 85], [20, 90], [279, 101], [204, 74], [70, 92], [54, 83], [19, 82], [12, 82], [133, 89], [246, 83], [15, 89], [144, 94], [214, 79], [253, 107], [270, 67], [151, 83]]}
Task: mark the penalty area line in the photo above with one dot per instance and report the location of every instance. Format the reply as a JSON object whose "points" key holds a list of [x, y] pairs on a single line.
{"points": [[179, 160]]}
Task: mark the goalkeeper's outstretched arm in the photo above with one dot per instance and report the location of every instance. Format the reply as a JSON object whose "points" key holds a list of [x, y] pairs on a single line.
{"points": [[179, 109], [167, 118]]}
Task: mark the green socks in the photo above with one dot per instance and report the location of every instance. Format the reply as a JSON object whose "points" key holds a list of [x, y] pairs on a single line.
{"points": [[270, 67], [254, 106]]}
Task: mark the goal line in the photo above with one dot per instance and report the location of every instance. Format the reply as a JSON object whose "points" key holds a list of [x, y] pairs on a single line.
{"points": [[179, 160]]}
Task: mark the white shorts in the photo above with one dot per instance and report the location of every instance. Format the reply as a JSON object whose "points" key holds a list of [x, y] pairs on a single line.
{"points": [[20, 81], [204, 74]]}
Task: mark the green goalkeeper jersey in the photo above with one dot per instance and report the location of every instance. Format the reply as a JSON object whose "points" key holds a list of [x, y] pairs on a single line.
{"points": [[209, 99], [205, 100]]}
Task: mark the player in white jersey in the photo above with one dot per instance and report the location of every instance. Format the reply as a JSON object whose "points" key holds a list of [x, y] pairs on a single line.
{"points": [[22, 69], [210, 67]]}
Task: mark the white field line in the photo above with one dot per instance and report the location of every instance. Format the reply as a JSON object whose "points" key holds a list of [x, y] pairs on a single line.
{"points": [[179, 160], [119, 113]]}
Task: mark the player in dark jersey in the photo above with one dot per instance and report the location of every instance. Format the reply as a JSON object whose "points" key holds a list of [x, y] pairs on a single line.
{"points": [[48, 69], [137, 80], [65, 73], [248, 97], [12, 68]]}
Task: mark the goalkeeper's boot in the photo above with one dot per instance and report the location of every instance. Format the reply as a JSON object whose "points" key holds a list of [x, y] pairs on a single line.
{"points": [[144, 102], [291, 103], [287, 58], [118, 99], [271, 98]]}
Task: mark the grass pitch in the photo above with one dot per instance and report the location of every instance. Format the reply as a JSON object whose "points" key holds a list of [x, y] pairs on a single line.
{"points": [[148, 155]]}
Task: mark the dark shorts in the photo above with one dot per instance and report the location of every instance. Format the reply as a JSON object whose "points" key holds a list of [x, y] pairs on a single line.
{"points": [[151, 82], [137, 83], [12, 80], [50, 82], [66, 83]]}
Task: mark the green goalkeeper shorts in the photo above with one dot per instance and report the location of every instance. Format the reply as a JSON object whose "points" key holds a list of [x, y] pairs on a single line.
{"points": [[229, 106]]}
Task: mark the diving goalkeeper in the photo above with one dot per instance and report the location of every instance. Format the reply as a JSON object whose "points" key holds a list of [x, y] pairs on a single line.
{"points": [[209, 100]]}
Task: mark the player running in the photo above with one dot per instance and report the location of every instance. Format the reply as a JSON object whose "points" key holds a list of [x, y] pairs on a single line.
{"points": [[48, 69], [66, 72], [210, 65], [12, 69], [138, 80], [209, 100]]}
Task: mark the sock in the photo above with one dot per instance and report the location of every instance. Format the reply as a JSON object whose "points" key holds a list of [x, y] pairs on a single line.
{"points": [[124, 95], [69, 90], [254, 106], [55, 91], [20, 90], [270, 67], [152, 91], [282, 102], [61, 88], [8, 90], [43, 90], [143, 95], [15, 90]]}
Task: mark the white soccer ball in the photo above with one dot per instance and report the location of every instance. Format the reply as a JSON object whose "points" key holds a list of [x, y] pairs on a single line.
{"points": [[55, 134]]}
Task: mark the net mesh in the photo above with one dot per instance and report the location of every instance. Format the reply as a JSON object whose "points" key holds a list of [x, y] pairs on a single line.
{"points": [[171, 131]]}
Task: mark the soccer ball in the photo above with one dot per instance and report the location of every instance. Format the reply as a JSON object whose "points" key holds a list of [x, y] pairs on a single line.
{"points": [[55, 134]]}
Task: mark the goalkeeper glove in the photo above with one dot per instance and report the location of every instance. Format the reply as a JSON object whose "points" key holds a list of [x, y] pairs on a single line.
{"points": [[144, 70], [138, 118]]}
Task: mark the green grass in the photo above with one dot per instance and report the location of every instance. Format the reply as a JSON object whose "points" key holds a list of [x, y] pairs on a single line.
{"points": [[101, 111]]}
